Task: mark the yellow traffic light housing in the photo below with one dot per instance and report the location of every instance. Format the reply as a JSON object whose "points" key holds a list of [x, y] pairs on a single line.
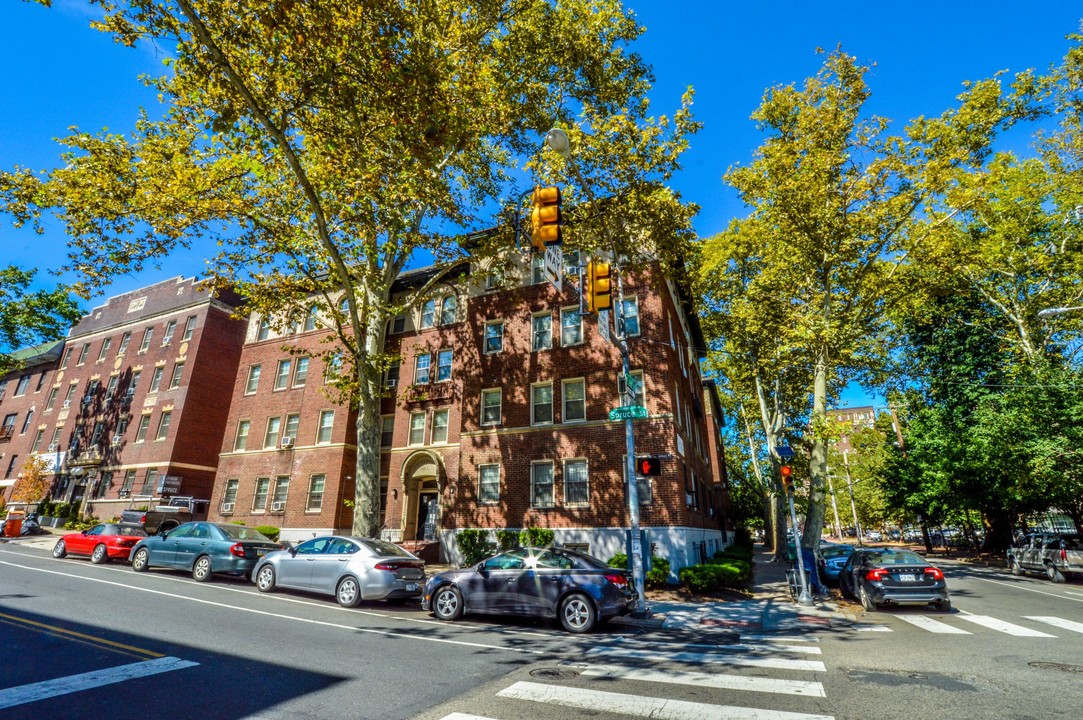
{"points": [[599, 286], [545, 218], [786, 473]]}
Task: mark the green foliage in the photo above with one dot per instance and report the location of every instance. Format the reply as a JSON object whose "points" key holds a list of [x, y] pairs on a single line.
{"points": [[742, 537], [716, 575], [735, 552], [30, 318], [656, 577], [85, 523], [474, 545], [270, 531], [507, 540], [536, 537]]}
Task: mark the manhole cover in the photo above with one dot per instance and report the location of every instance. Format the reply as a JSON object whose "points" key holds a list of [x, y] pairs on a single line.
{"points": [[1063, 667], [554, 673]]}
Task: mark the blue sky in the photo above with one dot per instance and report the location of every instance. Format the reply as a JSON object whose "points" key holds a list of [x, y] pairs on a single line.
{"points": [[59, 73]]}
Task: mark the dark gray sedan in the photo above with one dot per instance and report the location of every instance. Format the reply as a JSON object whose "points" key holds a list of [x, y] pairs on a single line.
{"points": [[888, 576], [350, 568]]}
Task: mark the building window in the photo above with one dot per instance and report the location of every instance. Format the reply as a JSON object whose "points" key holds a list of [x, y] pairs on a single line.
{"points": [[41, 381], [274, 428], [490, 406], [252, 385], [494, 279], [104, 483], [631, 316], [70, 394], [22, 385], [315, 493], [281, 492], [11, 465], [428, 314], [494, 336], [124, 340], [229, 497], [300, 373], [293, 423], [259, 500], [392, 378], [141, 431], [156, 379], [439, 426], [541, 332], [189, 328], [541, 404], [537, 269], [111, 388], [39, 436], [134, 383], [150, 481], [398, 325], [170, 328], [54, 444], [488, 484], [178, 371], [240, 444], [264, 330], [575, 400], [327, 423], [67, 358], [637, 398], [105, 348], [443, 365], [129, 482], [541, 484], [571, 326], [311, 318], [282, 377], [447, 310], [148, 334], [417, 428], [387, 430], [421, 369], [26, 421], [163, 425], [50, 402], [576, 483], [82, 357]]}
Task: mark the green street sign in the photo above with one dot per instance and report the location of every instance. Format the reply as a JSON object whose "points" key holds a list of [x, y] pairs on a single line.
{"points": [[632, 382], [633, 412]]}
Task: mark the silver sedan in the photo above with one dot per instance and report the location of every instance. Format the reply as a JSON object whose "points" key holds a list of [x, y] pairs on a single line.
{"points": [[350, 568]]}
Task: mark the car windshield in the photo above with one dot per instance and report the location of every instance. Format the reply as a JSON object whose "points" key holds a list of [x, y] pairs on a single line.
{"points": [[587, 561], [129, 530], [383, 549], [836, 551], [240, 532], [1072, 542], [896, 557]]}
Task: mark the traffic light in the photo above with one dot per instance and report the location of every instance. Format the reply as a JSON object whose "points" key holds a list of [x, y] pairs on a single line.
{"points": [[650, 465], [598, 286], [545, 218], [786, 473]]}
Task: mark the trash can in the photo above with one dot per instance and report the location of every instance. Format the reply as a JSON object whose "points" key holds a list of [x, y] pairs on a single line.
{"points": [[808, 558], [13, 527]]}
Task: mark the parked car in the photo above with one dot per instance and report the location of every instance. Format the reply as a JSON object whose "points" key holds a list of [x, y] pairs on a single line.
{"points": [[178, 510], [105, 542], [830, 558], [883, 576], [1053, 554], [350, 568], [874, 536], [571, 586], [204, 548]]}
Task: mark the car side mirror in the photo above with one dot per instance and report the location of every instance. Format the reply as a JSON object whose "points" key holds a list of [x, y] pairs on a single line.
{"points": [[292, 550], [163, 534], [84, 532]]}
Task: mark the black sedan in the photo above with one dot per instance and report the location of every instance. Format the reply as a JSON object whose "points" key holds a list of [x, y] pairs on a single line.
{"points": [[576, 588], [889, 576]]}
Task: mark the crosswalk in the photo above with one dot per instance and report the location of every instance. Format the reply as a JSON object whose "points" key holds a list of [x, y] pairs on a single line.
{"points": [[1040, 626], [773, 679]]}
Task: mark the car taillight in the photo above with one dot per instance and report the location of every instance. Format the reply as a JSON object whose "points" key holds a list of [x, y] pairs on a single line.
{"points": [[143, 519], [237, 549], [877, 574], [934, 573], [1063, 555], [620, 580]]}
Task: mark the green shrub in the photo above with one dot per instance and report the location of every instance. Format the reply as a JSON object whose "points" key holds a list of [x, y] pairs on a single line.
{"points": [[270, 531], [620, 560], [742, 537], [716, 576], [474, 545], [536, 537], [45, 508], [507, 540], [657, 576], [84, 524], [735, 552], [743, 568]]}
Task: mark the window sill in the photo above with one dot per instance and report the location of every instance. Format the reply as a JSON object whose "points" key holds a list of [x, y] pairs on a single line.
{"points": [[574, 421]]}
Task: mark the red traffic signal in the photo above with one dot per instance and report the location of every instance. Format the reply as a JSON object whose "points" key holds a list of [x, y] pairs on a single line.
{"points": [[650, 465], [786, 473]]}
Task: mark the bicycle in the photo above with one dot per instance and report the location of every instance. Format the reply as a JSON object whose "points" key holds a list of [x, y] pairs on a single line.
{"points": [[794, 583]]}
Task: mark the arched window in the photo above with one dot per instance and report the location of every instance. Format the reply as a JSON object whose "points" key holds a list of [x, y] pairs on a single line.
{"points": [[447, 310], [428, 314]]}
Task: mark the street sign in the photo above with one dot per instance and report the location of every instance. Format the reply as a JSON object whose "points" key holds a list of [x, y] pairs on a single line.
{"points": [[603, 325], [169, 485], [633, 384], [554, 265], [628, 412], [784, 451]]}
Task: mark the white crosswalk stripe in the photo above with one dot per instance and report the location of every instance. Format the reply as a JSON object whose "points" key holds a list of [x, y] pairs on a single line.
{"points": [[711, 680], [725, 658], [939, 626], [1004, 627], [934, 626], [1058, 622]]}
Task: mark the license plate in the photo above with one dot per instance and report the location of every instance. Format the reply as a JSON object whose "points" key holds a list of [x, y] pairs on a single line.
{"points": [[907, 577], [260, 552], [410, 587]]}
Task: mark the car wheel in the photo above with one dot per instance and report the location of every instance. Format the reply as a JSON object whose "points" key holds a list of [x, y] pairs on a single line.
{"points": [[348, 593], [447, 603], [577, 613], [1017, 569], [201, 571], [100, 555], [1053, 573], [944, 606], [141, 560], [866, 599], [265, 579], [60, 549], [844, 589]]}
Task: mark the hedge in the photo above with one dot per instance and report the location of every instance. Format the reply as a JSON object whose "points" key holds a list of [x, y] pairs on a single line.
{"points": [[270, 531], [474, 545], [657, 576], [717, 574], [735, 552], [507, 540], [536, 537]]}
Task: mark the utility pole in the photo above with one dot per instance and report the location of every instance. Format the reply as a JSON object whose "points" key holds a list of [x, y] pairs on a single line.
{"points": [[834, 506], [853, 505]]}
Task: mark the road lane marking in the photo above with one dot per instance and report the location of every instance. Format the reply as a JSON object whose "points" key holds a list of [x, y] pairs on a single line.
{"points": [[719, 658], [46, 689], [1017, 586], [642, 706], [464, 716], [934, 626], [1004, 627], [872, 628], [1057, 622], [748, 647], [265, 613], [1074, 593], [807, 688], [64, 632]]}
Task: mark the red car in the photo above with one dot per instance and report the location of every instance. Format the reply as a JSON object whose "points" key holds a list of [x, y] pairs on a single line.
{"points": [[105, 542]]}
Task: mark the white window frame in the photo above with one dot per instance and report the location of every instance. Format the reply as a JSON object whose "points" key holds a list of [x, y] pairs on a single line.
{"points": [[271, 438], [323, 426], [487, 497], [425, 379], [498, 323], [499, 394], [427, 315], [282, 374], [586, 469], [262, 488], [300, 372], [251, 385], [567, 311], [449, 303], [440, 432], [534, 466], [534, 404], [534, 331], [240, 440], [311, 506], [410, 439], [566, 416], [439, 364]]}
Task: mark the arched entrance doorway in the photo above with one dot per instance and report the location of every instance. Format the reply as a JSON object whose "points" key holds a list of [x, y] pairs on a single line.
{"points": [[422, 482]]}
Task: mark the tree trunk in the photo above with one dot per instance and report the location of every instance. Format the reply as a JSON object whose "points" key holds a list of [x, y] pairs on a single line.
{"points": [[814, 519], [366, 511]]}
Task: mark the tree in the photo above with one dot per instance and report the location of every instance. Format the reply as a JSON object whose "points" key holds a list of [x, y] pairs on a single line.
{"points": [[326, 145], [33, 483], [29, 317]]}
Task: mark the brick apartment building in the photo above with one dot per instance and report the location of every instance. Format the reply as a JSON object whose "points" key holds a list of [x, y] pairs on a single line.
{"points": [[22, 394], [496, 417]]}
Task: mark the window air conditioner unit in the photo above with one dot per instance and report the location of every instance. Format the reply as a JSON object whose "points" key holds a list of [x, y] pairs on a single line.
{"points": [[227, 507], [287, 442], [278, 506], [392, 382], [117, 439], [67, 404], [129, 392], [52, 447]]}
